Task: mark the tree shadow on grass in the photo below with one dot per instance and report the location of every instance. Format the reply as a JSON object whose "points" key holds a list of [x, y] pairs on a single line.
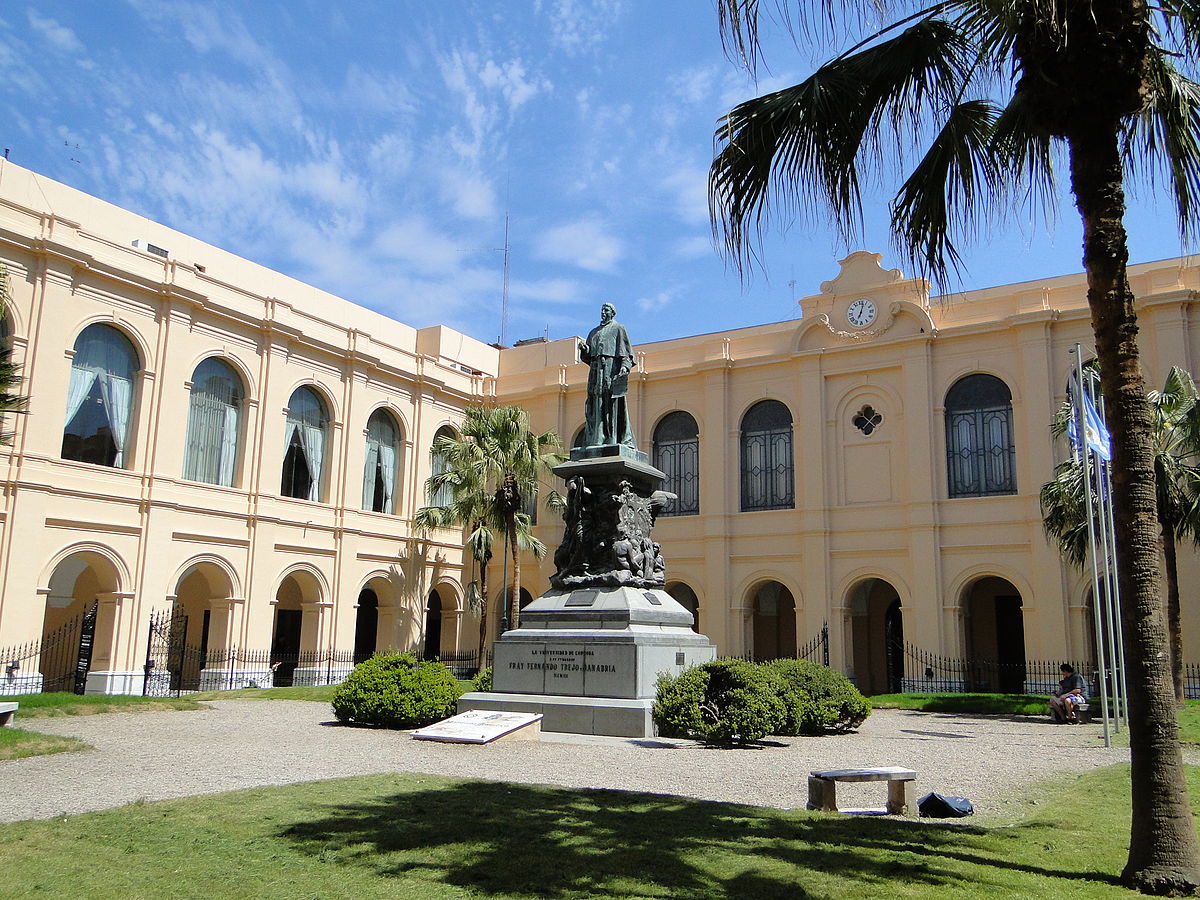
{"points": [[551, 842]]}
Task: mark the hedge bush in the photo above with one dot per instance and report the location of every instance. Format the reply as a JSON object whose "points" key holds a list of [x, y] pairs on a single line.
{"points": [[726, 701], [483, 680], [818, 699], [393, 690], [730, 701]]}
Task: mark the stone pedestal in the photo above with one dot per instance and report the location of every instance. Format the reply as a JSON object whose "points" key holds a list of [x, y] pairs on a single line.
{"points": [[588, 653]]}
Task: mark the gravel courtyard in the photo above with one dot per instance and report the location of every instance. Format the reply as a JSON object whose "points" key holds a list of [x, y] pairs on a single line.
{"points": [[245, 743]]}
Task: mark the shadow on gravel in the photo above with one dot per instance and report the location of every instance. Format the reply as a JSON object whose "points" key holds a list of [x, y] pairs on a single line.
{"points": [[498, 838]]}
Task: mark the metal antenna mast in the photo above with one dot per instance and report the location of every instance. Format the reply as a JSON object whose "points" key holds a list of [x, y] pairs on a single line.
{"points": [[504, 292], [503, 339]]}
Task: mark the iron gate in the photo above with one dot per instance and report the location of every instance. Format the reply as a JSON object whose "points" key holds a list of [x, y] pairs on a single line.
{"points": [[172, 664], [58, 661]]}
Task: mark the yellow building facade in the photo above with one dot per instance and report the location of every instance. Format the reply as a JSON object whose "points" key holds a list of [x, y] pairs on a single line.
{"points": [[174, 389], [870, 472], [218, 457]]}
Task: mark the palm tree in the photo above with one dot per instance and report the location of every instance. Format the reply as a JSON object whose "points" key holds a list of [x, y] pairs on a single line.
{"points": [[1176, 439], [986, 93], [493, 468]]}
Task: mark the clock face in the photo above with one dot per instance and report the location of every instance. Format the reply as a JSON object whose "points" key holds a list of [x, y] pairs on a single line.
{"points": [[861, 313]]}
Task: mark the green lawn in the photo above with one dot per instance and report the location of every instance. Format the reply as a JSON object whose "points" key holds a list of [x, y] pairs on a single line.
{"points": [[16, 743], [323, 694], [981, 704], [422, 836], [40, 706]]}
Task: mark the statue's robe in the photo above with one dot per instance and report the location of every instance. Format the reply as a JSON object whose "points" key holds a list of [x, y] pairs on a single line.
{"points": [[607, 350]]}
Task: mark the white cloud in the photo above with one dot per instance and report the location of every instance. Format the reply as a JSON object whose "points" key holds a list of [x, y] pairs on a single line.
{"points": [[577, 25], [655, 302], [469, 193], [695, 247], [413, 241], [510, 80], [548, 290], [59, 35], [587, 244], [207, 28], [689, 186]]}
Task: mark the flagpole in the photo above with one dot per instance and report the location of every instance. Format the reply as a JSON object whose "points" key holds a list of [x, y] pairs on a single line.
{"points": [[1082, 449], [1115, 588]]}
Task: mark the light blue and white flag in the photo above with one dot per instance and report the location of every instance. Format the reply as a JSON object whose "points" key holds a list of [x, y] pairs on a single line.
{"points": [[1095, 434]]}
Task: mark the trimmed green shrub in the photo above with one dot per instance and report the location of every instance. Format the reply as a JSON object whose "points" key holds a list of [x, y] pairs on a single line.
{"points": [[395, 691], [726, 701], [482, 681], [817, 699]]}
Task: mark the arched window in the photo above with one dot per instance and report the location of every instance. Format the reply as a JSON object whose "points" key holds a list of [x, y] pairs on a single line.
{"points": [[979, 442], [766, 462], [100, 397], [577, 441], [444, 495], [214, 423], [677, 454], [304, 445], [379, 472]]}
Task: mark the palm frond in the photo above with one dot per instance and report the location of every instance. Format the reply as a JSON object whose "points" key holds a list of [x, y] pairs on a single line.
{"points": [[1166, 136], [947, 188], [789, 150]]}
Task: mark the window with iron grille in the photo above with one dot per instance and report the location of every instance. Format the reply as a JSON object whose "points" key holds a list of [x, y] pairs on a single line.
{"points": [[981, 460], [766, 458], [677, 455]]}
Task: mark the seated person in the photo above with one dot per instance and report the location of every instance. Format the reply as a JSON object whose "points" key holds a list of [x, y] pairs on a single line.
{"points": [[1072, 691]]}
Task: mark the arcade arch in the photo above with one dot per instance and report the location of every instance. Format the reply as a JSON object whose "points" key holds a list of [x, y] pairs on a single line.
{"points": [[994, 635], [876, 636], [298, 609], [772, 621], [78, 626], [683, 594]]}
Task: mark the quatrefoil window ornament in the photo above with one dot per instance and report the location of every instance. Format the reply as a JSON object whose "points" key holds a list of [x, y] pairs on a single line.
{"points": [[867, 420]]}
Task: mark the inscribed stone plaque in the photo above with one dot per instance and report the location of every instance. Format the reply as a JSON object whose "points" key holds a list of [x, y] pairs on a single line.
{"points": [[581, 598], [476, 726]]}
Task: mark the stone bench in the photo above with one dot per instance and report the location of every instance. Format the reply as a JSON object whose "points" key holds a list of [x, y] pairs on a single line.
{"points": [[7, 711], [902, 788]]}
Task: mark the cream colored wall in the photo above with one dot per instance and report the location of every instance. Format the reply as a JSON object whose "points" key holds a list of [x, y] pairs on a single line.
{"points": [[143, 525], [872, 506]]}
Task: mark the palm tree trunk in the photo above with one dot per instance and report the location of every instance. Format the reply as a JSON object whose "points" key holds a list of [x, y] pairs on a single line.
{"points": [[483, 611], [1174, 625], [515, 583], [1163, 852]]}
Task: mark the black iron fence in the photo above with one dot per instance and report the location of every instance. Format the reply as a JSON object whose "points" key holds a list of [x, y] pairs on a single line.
{"points": [[176, 663], [58, 661], [919, 671], [815, 649]]}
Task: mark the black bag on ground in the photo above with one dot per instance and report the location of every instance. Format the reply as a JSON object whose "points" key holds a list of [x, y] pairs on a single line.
{"points": [[941, 806]]}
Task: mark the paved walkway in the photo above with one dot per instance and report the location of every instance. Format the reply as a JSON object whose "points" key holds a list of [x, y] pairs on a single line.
{"points": [[245, 743]]}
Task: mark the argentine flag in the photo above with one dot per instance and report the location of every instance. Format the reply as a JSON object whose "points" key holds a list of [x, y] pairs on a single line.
{"points": [[1095, 435]]}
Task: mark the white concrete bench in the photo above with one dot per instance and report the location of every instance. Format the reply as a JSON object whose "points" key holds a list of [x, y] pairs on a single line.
{"points": [[902, 788], [7, 711]]}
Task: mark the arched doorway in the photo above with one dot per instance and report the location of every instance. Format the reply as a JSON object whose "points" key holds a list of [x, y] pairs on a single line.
{"points": [[994, 631], [366, 625], [773, 622], [877, 636], [287, 641], [433, 626], [77, 629], [686, 597], [199, 625]]}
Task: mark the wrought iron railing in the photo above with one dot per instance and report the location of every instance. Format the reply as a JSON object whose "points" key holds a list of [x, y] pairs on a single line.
{"points": [[57, 661]]}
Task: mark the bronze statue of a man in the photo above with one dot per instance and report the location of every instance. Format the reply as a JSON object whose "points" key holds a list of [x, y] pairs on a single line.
{"points": [[608, 353]]}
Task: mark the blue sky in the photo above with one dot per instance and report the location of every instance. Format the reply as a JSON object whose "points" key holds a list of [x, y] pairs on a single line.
{"points": [[372, 149]]}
